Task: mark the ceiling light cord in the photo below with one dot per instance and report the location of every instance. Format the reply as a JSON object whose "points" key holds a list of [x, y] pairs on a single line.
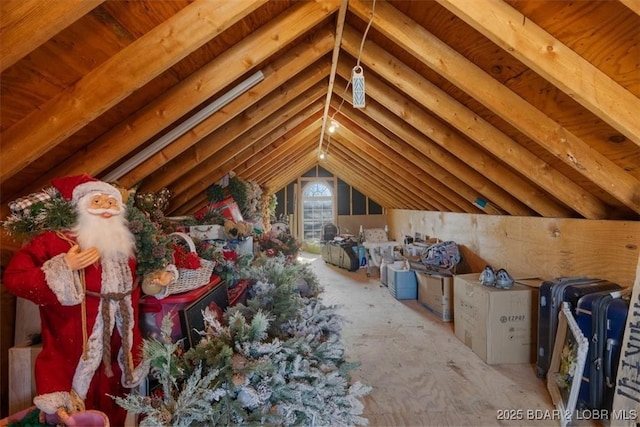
{"points": [[366, 31]]}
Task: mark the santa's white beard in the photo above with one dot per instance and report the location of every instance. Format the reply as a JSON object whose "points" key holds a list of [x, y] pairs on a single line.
{"points": [[110, 236]]}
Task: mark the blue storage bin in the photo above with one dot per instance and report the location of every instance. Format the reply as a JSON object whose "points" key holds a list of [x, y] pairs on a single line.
{"points": [[402, 283]]}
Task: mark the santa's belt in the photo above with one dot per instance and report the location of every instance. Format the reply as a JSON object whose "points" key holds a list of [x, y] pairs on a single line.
{"points": [[112, 296], [106, 334]]}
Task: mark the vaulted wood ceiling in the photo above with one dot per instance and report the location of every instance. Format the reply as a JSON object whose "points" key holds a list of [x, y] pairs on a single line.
{"points": [[532, 105]]}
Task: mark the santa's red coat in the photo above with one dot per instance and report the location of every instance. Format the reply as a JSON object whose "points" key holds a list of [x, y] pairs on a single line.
{"points": [[62, 335]]}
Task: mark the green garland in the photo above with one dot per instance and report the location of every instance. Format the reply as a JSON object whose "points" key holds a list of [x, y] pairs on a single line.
{"points": [[153, 248], [276, 361]]}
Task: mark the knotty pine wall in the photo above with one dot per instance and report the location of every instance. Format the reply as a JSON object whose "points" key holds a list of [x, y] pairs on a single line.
{"points": [[532, 247]]}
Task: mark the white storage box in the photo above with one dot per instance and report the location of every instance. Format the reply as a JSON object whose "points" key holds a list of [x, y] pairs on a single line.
{"points": [[499, 325], [208, 232]]}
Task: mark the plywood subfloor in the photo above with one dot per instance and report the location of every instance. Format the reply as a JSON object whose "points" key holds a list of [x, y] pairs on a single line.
{"points": [[421, 374]]}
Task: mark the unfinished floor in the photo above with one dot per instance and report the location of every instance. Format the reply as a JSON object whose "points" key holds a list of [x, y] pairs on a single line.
{"points": [[421, 374]]}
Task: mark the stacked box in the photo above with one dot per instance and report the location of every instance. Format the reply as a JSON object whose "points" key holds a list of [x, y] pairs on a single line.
{"points": [[499, 325], [402, 283], [435, 292]]}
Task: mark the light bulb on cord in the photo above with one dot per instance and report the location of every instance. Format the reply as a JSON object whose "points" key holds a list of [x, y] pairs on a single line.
{"points": [[333, 126], [323, 156]]}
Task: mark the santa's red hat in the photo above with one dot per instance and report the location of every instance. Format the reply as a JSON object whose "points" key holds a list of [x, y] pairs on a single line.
{"points": [[73, 188]]}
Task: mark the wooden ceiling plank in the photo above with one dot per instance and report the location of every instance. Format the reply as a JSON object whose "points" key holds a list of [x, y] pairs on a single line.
{"points": [[436, 180], [309, 161], [338, 168], [443, 166], [381, 190], [440, 137], [484, 134], [262, 155], [229, 163], [115, 79], [289, 156], [554, 61], [512, 108], [296, 95], [39, 19], [197, 88], [408, 188], [276, 75], [386, 102], [288, 117], [370, 166], [634, 5]]}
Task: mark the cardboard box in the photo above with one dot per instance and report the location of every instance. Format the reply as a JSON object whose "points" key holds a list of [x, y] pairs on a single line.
{"points": [[435, 292], [499, 325], [22, 383]]}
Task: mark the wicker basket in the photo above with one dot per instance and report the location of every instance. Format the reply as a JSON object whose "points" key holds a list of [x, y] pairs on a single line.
{"points": [[189, 279]]}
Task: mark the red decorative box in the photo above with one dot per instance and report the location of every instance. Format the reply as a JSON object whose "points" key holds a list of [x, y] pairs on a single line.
{"points": [[153, 310]]}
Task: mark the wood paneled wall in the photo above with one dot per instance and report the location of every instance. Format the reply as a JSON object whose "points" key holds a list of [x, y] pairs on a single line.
{"points": [[534, 247]]}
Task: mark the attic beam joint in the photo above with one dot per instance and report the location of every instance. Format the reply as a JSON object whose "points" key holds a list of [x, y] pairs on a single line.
{"points": [[342, 13]]}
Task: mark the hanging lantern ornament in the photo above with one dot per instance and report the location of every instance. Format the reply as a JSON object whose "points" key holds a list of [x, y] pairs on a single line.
{"points": [[357, 79]]}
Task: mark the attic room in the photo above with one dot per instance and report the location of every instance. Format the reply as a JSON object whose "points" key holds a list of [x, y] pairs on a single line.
{"points": [[509, 127]]}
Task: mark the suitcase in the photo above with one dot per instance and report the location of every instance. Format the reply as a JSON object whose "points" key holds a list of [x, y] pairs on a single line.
{"points": [[601, 317], [341, 254], [552, 294]]}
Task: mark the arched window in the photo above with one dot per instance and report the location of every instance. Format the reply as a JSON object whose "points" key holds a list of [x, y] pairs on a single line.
{"points": [[317, 208]]}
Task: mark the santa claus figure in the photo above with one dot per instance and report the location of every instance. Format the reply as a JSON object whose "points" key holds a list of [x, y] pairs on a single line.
{"points": [[84, 281]]}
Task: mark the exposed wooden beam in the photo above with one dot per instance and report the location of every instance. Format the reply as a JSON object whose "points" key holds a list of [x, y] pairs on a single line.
{"points": [[633, 5], [553, 60], [437, 181], [39, 19], [228, 144], [484, 134], [253, 162], [292, 113], [194, 90], [278, 76], [515, 110], [431, 153], [116, 78]]}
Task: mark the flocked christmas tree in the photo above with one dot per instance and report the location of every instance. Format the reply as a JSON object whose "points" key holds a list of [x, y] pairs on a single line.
{"points": [[278, 360]]}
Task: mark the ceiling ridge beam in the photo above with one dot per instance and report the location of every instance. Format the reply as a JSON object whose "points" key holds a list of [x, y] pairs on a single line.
{"points": [[342, 13]]}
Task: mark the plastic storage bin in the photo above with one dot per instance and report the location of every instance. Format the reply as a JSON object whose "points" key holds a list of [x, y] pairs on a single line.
{"points": [[402, 283]]}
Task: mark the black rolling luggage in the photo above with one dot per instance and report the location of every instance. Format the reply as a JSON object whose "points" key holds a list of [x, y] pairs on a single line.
{"points": [[340, 253], [552, 294], [602, 317]]}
